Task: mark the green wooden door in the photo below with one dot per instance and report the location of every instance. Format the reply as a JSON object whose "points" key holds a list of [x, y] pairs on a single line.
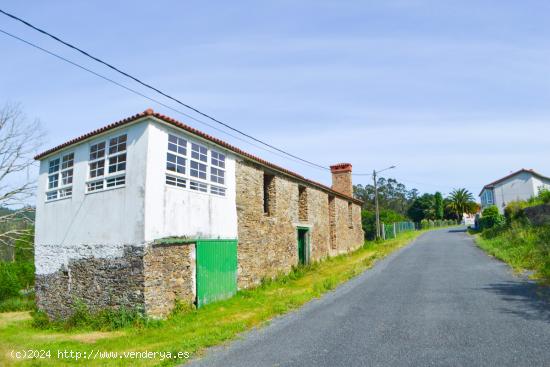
{"points": [[302, 245], [216, 270]]}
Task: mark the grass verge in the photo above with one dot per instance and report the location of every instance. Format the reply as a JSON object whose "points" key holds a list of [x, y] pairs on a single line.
{"points": [[193, 330], [522, 246]]}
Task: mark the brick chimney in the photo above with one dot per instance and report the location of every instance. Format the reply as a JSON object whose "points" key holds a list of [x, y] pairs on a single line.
{"points": [[341, 178]]}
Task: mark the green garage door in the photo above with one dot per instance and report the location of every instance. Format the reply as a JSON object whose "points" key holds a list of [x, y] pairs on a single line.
{"points": [[216, 270]]}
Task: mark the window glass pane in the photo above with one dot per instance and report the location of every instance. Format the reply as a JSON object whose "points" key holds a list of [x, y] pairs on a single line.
{"points": [[54, 166], [218, 159], [177, 145], [117, 144], [117, 163], [217, 190], [198, 152], [175, 163], [96, 185], [116, 181], [68, 161], [198, 186], [198, 170], [53, 181], [97, 151], [51, 195], [176, 181], [217, 175], [97, 168], [67, 177], [63, 193]]}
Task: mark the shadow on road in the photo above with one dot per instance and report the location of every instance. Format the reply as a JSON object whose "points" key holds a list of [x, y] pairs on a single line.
{"points": [[462, 230], [527, 300]]}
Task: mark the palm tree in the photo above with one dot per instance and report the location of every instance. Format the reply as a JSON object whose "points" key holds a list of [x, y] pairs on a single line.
{"points": [[461, 201]]}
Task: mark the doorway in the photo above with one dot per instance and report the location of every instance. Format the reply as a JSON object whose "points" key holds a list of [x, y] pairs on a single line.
{"points": [[303, 245]]}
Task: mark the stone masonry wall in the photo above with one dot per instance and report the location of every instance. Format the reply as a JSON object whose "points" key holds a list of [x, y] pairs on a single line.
{"points": [[169, 276], [97, 282], [268, 243]]}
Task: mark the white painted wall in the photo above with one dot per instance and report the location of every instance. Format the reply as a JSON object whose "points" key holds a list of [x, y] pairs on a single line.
{"points": [[92, 224], [173, 211], [518, 187], [101, 223]]}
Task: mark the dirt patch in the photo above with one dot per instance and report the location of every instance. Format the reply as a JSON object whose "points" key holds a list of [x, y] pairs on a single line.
{"points": [[90, 337], [9, 317]]}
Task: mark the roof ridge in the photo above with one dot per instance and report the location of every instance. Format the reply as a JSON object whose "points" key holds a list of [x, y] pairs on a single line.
{"points": [[151, 113]]}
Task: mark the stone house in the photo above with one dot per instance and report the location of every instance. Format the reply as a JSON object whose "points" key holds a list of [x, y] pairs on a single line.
{"points": [[147, 211]]}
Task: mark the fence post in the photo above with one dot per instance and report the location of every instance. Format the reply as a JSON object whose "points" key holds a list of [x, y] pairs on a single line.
{"points": [[383, 231], [394, 231]]}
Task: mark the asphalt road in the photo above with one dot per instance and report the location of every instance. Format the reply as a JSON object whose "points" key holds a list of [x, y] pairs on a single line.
{"points": [[438, 302]]}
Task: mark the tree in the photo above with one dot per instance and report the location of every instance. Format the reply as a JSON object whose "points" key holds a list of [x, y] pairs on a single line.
{"points": [[19, 141], [392, 195], [438, 205], [460, 202], [422, 208], [368, 218]]}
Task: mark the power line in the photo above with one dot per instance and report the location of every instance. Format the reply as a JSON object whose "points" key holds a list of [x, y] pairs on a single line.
{"points": [[156, 89], [143, 95]]}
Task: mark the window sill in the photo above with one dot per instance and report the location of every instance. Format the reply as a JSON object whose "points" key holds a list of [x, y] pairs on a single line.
{"points": [[186, 189], [105, 189], [58, 199]]}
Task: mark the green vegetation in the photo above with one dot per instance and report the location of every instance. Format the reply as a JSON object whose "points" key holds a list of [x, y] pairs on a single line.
{"points": [[17, 277], [491, 218], [368, 219], [190, 330], [398, 204], [513, 239], [521, 245]]}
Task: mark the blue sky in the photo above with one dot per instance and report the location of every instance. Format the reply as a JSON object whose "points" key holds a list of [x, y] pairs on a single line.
{"points": [[455, 93]]}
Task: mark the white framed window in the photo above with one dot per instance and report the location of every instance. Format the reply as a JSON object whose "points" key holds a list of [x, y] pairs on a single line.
{"points": [[175, 163], [193, 166], [60, 177], [198, 186], [216, 190], [217, 175], [198, 170], [218, 159], [107, 165], [199, 152], [176, 181]]}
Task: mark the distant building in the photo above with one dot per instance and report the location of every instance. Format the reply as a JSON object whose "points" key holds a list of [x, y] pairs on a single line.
{"points": [[520, 185], [147, 211]]}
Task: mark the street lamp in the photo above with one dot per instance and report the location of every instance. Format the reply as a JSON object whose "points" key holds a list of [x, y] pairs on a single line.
{"points": [[374, 173]]}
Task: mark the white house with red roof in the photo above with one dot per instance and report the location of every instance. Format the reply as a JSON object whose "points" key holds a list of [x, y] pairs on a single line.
{"points": [[520, 185]]}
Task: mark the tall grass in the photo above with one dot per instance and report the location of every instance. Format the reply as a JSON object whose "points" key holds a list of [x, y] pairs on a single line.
{"points": [[521, 245]]}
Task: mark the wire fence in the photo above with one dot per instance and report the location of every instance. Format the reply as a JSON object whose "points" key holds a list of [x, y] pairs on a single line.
{"points": [[392, 230]]}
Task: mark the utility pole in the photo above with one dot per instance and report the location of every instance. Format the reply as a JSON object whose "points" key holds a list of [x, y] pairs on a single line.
{"points": [[377, 210]]}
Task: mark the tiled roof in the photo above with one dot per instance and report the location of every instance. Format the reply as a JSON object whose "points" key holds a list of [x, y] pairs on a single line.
{"points": [[523, 170], [150, 113]]}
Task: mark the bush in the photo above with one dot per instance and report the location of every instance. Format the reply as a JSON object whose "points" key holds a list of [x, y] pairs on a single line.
{"points": [[490, 217], [20, 303], [9, 284], [544, 196], [515, 211]]}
